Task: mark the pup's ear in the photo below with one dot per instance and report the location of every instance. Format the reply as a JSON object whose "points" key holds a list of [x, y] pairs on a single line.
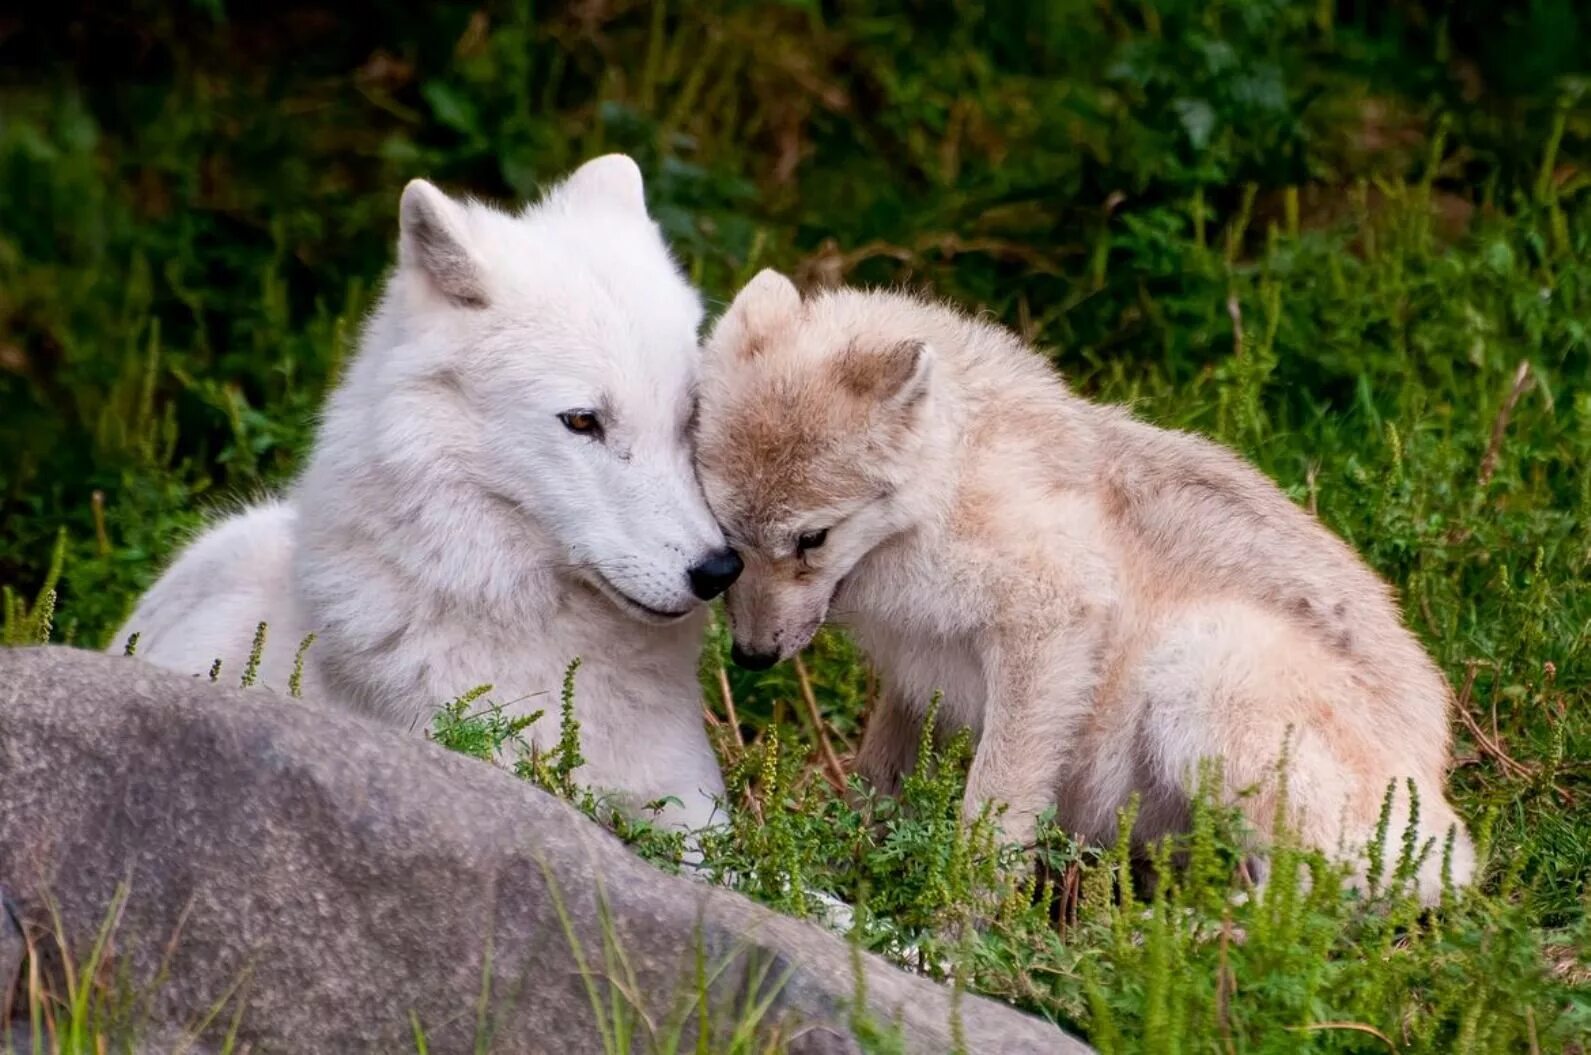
{"points": [[612, 178], [433, 244], [896, 375], [767, 303]]}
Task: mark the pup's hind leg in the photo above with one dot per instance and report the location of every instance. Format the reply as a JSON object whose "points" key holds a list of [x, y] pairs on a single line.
{"points": [[1234, 682]]}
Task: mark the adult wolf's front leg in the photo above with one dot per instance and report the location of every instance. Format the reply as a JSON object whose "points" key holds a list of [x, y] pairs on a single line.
{"points": [[1039, 689]]}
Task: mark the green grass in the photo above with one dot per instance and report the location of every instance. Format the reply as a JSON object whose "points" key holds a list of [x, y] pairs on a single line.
{"points": [[1351, 241]]}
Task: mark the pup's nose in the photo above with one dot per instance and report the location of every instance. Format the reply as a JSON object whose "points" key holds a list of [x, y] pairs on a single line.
{"points": [[715, 574], [752, 660]]}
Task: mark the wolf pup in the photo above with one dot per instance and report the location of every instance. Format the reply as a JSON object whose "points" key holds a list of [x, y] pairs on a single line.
{"points": [[502, 482], [1104, 603]]}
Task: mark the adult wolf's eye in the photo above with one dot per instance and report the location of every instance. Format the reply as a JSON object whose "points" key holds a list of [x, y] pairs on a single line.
{"points": [[585, 422], [811, 540]]}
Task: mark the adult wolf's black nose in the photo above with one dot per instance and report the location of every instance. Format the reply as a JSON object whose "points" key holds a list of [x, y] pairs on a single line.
{"points": [[715, 574], [752, 660]]}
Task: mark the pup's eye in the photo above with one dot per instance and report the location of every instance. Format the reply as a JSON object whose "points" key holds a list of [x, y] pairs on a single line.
{"points": [[585, 422], [811, 540]]}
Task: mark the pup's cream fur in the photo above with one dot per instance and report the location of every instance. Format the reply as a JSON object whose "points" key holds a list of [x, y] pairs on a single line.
{"points": [[454, 530], [1103, 602]]}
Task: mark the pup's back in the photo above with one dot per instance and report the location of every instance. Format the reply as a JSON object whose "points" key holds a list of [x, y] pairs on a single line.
{"points": [[1200, 520]]}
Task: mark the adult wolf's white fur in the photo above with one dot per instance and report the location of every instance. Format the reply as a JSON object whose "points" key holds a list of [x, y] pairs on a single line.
{"points": [[1103, 602], [453, 530]]}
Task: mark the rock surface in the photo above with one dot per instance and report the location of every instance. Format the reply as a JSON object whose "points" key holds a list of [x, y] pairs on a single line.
{"points": [[12, 949], [334, 882]]}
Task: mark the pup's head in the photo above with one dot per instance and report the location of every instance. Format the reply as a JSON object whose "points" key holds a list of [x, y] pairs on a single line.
{"points": [[810, 430], [564, 339]]}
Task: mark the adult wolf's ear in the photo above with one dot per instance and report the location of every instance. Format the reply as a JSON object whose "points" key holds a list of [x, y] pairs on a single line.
{"points": [[766, 304], [433, 245], [612, 178], [896, 375]]}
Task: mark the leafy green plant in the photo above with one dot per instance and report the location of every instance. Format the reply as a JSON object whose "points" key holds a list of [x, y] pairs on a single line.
{"points": [[24, 624]]}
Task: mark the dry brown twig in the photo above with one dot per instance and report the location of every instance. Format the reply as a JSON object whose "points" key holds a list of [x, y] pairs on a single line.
{"points": [[1235, 310], [732, 719], [1487, 744], [831, 762], [1494, 446], [1225, 986], [1352, 1027], [729, 707]]}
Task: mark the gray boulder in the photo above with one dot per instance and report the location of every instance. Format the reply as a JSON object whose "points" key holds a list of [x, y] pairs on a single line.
{"points": [[12, 948], [329, 883]]}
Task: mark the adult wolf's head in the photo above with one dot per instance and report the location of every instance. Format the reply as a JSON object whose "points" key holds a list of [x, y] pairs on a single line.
{"points": [[564, 342], [810, 431]]}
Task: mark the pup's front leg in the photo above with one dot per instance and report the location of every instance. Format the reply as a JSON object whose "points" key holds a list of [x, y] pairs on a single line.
{"points": [[889, 744], [1040, 686]]}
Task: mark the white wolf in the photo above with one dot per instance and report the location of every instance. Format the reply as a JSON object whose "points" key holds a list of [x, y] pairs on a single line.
{"points": [[1104, 603], [502, 482]]}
